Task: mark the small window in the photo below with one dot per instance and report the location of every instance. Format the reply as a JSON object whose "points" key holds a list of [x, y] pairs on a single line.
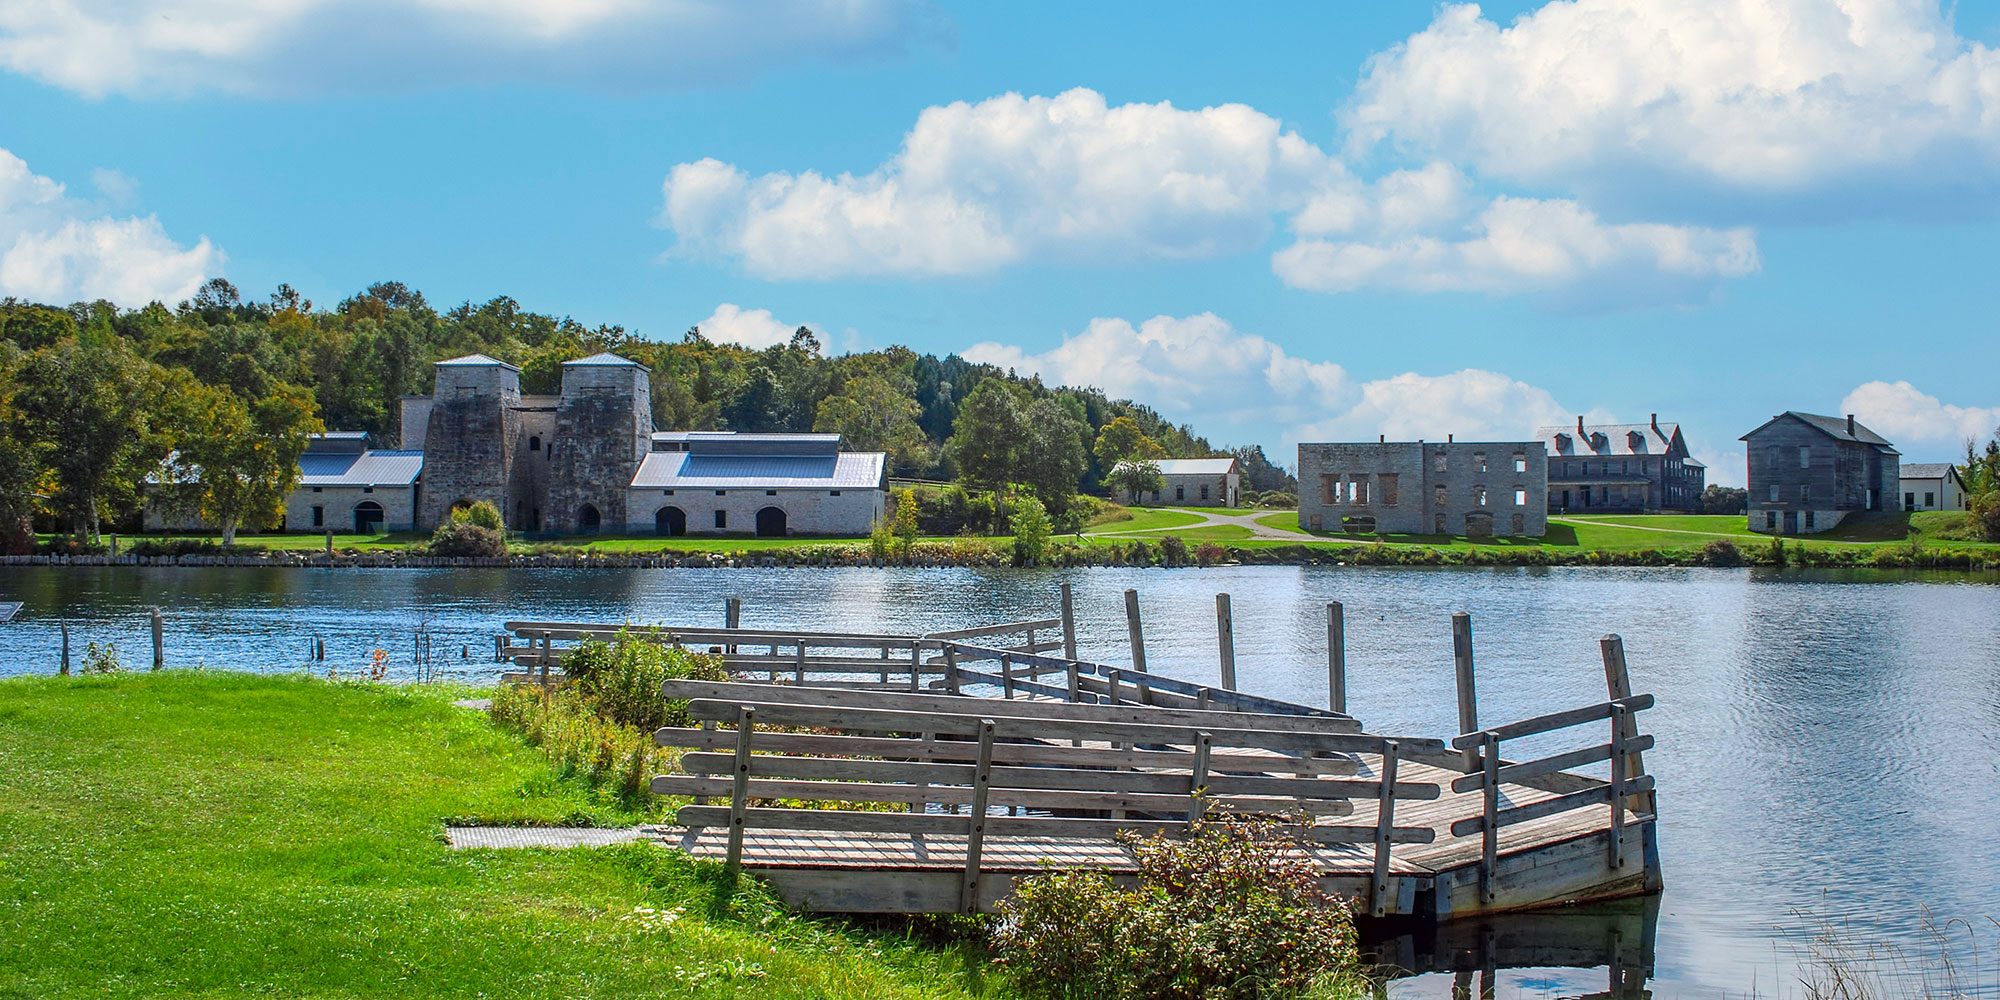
{"points": [[722, 519], [722, 493], [666, 493], [833, 493], [1329, 487], [316, 489], [1810, 517], [1520, 500], [367, 489], [319, 517], [770, 493], [1771, 520], [1520, 524], [1388, 480], [1774, 492], [1479, 496], [1440, 496], [1438, 462], [1930, 499], [1805, 457], [535, 442], [1180, 493], [1204, 492], [1520, 462], [1805, 494], [1479, 461]]}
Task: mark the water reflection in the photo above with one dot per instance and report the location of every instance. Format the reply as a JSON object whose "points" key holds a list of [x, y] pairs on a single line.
{"points": [[1604, 950], [1829, 741]]}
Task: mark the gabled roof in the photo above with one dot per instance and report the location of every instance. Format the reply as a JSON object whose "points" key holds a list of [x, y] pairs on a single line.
{"points": [[687, 470], [1833, 427], [606, 359], [475, 361], [1929, 470], [368, 468], [1619, 440]]}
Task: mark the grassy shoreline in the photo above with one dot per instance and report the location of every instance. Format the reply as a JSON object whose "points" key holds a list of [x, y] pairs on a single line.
{"points": [[218, 834], [1175, 538]]}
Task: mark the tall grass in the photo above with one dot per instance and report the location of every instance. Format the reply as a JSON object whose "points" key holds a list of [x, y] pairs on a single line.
{"points": [[1954, 959]]}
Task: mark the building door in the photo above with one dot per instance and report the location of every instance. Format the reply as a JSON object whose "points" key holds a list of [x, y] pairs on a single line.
{"points": [[770, 523], [1791, 522], [588, 520], [670, 521], [1479, 524], [367, 517]]}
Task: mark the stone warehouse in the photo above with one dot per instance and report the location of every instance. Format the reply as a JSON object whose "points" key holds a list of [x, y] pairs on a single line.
{"points": [[1622, 469], [1201, 482], [1475, 489], [1809, 473], [346, 486], [588, 460]]}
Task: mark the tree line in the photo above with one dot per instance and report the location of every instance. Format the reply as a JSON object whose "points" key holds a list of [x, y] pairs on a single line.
{"points": [[209, 404]]}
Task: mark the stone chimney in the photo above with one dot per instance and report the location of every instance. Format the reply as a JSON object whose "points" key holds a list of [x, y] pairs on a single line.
{"points": [[1579, 427], [1850, 425], [1449, 438], [1655, 421]]}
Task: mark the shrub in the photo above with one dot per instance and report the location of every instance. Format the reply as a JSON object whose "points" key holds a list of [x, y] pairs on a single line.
{"points": [[881, 539], [1031, 531], [70, 547], [1173, 551], [1233, 911], [1210, 554], [464, 538], [620, 680], [481, 513], [1720, 552], [1985, 511]]}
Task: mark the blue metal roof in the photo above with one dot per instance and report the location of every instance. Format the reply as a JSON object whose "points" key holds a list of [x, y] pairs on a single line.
{"points": [[368, 468], [846, 470]]}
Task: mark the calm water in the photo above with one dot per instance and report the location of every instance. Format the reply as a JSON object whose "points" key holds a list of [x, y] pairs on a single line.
{"points": [[1829, 744]]}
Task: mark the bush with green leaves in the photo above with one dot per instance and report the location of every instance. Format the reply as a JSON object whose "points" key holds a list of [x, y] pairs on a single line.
{"points": [[1031, 531], [1233, 911], [463, 538], [481, 513], [621, 679]]}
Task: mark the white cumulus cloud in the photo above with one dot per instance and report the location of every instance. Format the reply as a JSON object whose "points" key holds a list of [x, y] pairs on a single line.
{"points": [[152, 48], [1241, 387], [58, 250], [1755, 96], [752, 328], [977, 187], [1902, 413]]}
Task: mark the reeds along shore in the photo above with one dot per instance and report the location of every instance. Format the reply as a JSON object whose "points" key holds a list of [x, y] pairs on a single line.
{"points": [[1167, 552]]}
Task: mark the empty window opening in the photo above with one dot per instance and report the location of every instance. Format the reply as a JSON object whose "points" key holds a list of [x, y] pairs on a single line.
{"points": [[1329, 488], [1440, 496], [1805, 457], [1520, 499], [1388, 481], [722, 519], [1519, 525], [1479, 496], [534, 442], [1438, 462], [1204, 492], [1479, 461], [1520, 462], [1358, 524], [319, 517]]}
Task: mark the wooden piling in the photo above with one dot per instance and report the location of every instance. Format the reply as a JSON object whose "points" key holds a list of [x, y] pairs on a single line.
{"points": [[1468, 698], [1336, 657], [975, 839], [1225, 641], [1133, 632], [732, 615], [65, 651], [159, 640], [1618, 684], [1068, 624], [739, 792]]}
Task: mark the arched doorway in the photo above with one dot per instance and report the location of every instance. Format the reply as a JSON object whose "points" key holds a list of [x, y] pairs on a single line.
{"points": [[770, 522], [1479, 524], [367, 517], [670, 521], [588, 520]]}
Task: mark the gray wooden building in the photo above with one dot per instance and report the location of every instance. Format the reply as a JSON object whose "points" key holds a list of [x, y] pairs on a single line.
{"points": [[1622, 469], [1475, 488], [1808, 473]]}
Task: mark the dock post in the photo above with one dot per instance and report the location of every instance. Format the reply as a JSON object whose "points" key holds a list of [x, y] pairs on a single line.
{"points": [[1198, 781], [1006, 677], [159, 640], [1336, 658], [1618, 683], [951, 668], [1385, 824], [329, 541], [1133, 631], [1068, 624], [1489, 844], [1225, 641], [732, 617], [1468, 698], [65, 655], [739, 792], [975, 839]]}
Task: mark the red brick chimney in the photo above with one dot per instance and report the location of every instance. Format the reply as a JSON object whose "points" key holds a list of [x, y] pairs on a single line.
{"points": [[1579, 426]]}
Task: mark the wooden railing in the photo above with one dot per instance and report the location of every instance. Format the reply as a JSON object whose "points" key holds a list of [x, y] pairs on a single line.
{"points": [[953, 761], [1630, 788]]}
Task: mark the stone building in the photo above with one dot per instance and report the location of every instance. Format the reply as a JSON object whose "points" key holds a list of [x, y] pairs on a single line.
{"points": [[723, 482], [470, 434], [1622, 469], [346, 486], [1931, 486], [1475, 489], [1201, 482], [1809, 473]]}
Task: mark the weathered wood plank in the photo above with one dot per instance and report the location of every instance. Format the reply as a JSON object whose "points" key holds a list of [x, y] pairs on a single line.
{"points": [[1043, 754], [1513, 774], [1549, 806], [1554, 721], [1001, 795], [844, 821], [765, 765]]}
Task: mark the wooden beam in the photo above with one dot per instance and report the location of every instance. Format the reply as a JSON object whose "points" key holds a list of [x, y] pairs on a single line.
{"points": [[1068, 624], [975, 838], [739, 796], [1618, 684], [1225, 641], [1336, 658], [1468, 696], [1554, 721]]}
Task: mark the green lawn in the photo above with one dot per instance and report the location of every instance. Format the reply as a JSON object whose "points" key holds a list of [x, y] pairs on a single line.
{"points": [[1145, 519], [1284, 520], [1206, 532], [227, 835]]}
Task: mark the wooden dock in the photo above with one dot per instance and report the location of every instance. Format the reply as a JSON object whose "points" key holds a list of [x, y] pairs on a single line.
{"points": [[866, 773]]}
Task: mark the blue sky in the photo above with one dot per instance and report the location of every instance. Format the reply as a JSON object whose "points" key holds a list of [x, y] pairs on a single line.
{"points": [[1281, 222]]}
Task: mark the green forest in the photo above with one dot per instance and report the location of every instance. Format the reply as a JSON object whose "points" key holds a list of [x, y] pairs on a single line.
{"points": [[97, 401]]}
